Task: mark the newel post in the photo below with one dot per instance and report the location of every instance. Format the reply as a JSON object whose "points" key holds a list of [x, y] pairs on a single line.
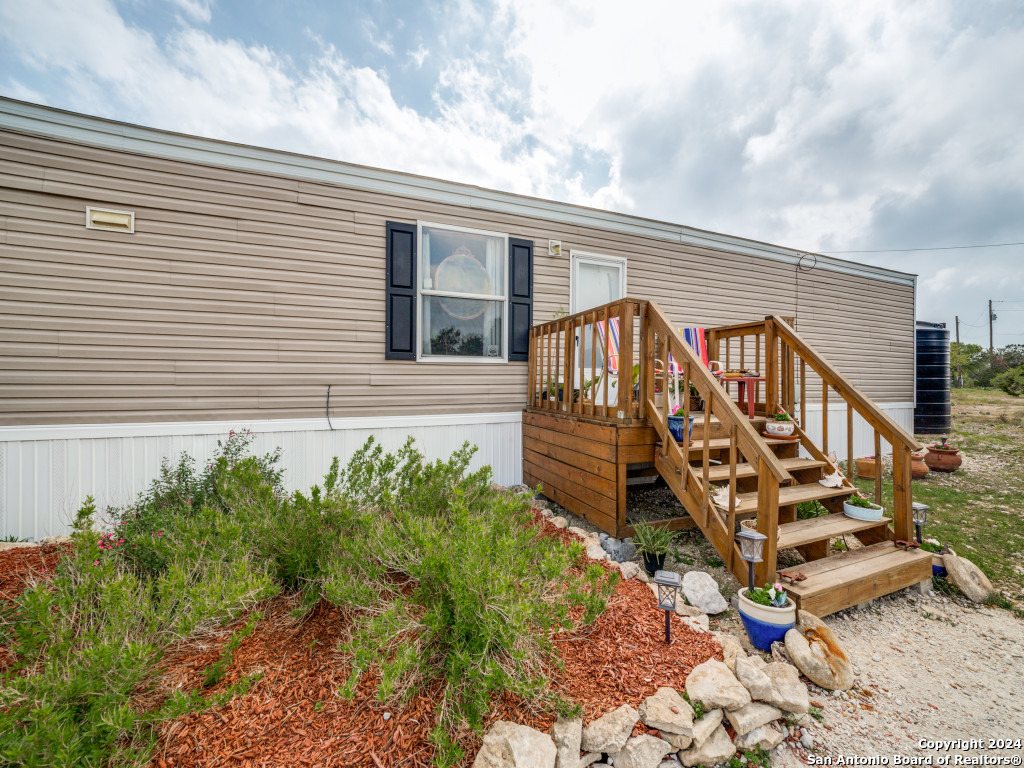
{"points": [[902, 492], [767, 523], [771, 368]]}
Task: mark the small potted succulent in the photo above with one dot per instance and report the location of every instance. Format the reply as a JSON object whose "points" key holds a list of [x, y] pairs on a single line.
{"points": [[860, 508], [938, 550], [768, 614], [942, 457], [677, 423], [653, 543], [781, 424]]}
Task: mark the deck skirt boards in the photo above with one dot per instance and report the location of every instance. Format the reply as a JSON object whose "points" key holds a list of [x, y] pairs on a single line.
{"points": [[46, 472]]}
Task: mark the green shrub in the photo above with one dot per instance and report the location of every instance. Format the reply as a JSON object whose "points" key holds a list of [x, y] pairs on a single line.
{"points": [[1012, 381], [653, 539]]}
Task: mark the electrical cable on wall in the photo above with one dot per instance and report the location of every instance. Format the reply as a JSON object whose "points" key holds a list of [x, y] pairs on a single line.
{"points": [[327, 409]]}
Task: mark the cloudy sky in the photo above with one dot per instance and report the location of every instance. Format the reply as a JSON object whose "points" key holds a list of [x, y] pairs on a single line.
{"points": [[835, 126]]}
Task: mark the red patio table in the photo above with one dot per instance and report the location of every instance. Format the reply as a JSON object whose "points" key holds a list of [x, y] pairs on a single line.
{"points": [[741, 393]]}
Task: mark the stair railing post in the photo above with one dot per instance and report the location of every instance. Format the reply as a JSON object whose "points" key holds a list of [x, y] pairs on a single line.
{"points": [[767, 523], [902, 493], [771, 363], [625, 362]]}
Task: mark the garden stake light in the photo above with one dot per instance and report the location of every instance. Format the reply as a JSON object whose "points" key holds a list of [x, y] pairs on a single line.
{"points": [[751, 543], [668, 587], [920, 518]]}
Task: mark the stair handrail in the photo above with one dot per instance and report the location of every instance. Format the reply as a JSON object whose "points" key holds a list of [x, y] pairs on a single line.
{"points": [[750, 443], [864, 406]]}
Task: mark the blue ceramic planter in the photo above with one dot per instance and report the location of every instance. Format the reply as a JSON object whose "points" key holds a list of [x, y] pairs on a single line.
{"points": [[938, 570], [675, 426], [765, 624]]}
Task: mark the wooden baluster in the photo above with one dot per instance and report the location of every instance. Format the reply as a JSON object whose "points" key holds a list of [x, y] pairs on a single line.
{"points": [[767, 523], [771, 374], [803, 394], [593, 363], [583, 360], [790, 391], [849, 441], [647, 364], [824, 417], [728, 353], [684, 374], [902, 492], [757, 367], [743, 353], [605, 375], [567, 358], [878, 468], [707, 456], [783, 378], [531, 370], [545, 394], [731, 527], [625, 389]]}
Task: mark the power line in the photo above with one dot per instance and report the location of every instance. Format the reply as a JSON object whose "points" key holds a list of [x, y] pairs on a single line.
{"points": [[939, 248]]}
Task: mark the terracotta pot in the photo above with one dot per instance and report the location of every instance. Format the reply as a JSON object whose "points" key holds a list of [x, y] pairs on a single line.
{"points": [[696, 404], [918, 467], [866, 468], [943, 459]]}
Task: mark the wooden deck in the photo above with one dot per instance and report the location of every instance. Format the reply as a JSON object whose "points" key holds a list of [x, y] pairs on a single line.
{"points": [[581, 441]]}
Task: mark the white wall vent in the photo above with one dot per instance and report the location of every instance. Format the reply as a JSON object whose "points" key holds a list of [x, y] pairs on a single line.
{"points": [[105, 218]]}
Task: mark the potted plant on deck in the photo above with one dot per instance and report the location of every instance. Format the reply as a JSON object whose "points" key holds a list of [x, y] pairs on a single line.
{"points": [[677, 424], [860, 508], [768, 614], [942, 457], [918, 467], [781, 424], [653, 543]]}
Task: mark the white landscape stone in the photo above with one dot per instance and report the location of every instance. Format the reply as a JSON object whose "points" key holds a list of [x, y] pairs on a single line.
{"points": [[559, 522], [752, 716], [699, 623], [567, 733], [668, 712], [717, 748], [510, 745], [701, 591], [628, 570], [589, 759], [713, 685], [641, 752], [788, 691], [609, 732], [766, 737], [596, 552], [704, 727], [816, 651], [968, 578], [732, 649], [751, 674]]}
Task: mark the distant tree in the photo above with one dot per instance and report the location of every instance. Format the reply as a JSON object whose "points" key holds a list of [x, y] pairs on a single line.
{"points": [[1011, 381], [968, 360]]}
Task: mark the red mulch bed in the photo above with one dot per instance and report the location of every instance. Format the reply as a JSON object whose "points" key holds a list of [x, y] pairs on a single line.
{"points": [[620, 658]]}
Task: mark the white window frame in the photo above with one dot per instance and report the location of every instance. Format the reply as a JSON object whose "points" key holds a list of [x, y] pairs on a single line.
{"points": [[421, 292], [576, 257]]}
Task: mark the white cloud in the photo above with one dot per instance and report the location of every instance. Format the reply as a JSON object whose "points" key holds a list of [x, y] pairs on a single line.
{"points": [[196, 10], [381, 43], [419, 55]]}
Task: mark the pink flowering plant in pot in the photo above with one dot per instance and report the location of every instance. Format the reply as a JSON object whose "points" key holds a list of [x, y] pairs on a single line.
{"points": [[767, 613]]}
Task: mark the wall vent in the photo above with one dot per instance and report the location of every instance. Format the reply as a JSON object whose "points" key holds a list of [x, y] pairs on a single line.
{"points": [[105, 218]]}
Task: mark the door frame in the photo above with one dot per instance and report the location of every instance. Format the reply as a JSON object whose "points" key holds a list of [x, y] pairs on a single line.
{"points": [[576, 257]]}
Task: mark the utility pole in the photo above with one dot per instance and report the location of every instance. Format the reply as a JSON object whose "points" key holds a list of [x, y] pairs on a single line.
{"points": [[991, 317], [959, 355]]}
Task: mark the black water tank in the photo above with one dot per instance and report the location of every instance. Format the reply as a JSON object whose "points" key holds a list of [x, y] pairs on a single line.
{"points": [[932, 414]]}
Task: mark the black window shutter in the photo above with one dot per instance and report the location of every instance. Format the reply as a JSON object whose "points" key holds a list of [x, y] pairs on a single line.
{"points": [[400, 311], [520, 299]]}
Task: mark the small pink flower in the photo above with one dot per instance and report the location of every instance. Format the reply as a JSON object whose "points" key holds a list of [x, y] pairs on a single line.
{"points": [[120, 541], [97, 562], [778, 587], [159, 533]]}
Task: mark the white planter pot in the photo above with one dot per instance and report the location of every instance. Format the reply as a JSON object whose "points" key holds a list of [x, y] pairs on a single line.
{"points": [[783, 428], [863, 513]]}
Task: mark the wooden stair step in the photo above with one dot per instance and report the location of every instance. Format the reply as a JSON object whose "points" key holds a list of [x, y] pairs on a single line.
{"points": [[853, 577], [792, 494], [801, 532], [743, 470], [722, 443]]}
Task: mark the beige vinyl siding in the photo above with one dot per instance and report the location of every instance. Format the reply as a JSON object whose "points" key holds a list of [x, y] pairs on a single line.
{"points": [[245, 295]]}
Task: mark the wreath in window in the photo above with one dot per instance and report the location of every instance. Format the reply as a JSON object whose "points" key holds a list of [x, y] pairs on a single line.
{"points": [[462, 272]]}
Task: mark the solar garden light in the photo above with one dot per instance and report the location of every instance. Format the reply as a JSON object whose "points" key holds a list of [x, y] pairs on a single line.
{"points": [[751, 543], [920, 518], [668, 587]]}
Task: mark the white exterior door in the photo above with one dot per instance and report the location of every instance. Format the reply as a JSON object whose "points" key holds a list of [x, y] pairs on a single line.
{"points": [[594, 280]]}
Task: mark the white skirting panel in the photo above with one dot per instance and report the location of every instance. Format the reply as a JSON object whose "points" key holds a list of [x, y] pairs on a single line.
{"points": [[46, 472], [863, 434]]}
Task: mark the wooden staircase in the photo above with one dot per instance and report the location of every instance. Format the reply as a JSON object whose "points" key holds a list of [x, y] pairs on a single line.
{"points": [[726, 470]]}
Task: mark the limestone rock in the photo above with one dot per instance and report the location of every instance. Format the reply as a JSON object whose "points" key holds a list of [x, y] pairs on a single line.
{"points": [[752, 716], [579, 532], [732, 649], [510, 745], [816, 651], [567, 733], [716, 749], [589, 759], [628, 570], [752, 675], [678, 740], [697, 623], [609, 732], [644, 576], [788, 691], [641, 752], [704, 727], [713, 685], [559, 522], [668, 712], [968, 578], [766, 737], [595, 552], [701, 591], [688, 610]]}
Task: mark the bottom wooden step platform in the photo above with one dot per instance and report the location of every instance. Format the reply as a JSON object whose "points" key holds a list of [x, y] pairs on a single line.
{"points": [[844, 580]]}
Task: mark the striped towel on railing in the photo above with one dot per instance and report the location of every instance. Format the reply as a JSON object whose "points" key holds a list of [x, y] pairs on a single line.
{"points": [[612, 344], [696, 338]]}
